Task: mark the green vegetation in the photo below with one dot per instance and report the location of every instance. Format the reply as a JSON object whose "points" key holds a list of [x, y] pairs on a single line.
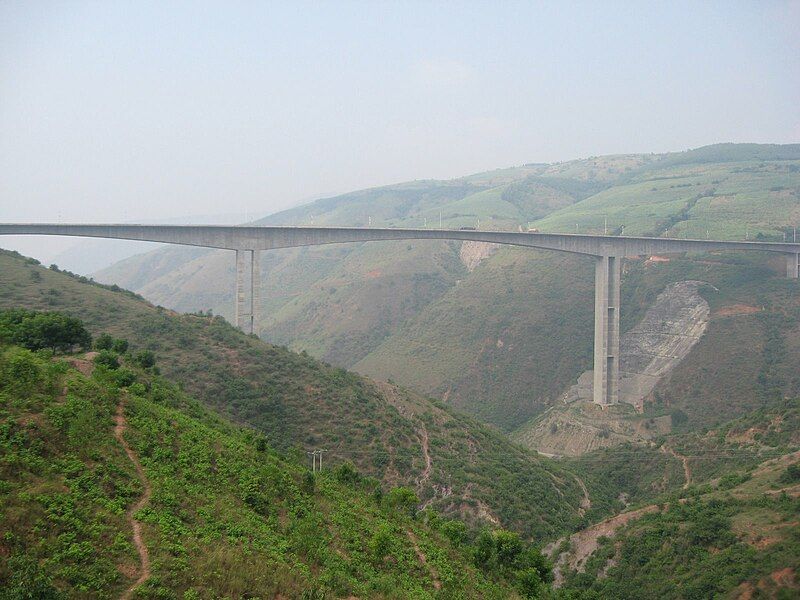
{"points": [[38, 330], [297, 402], [692, 550], [228, 515]]}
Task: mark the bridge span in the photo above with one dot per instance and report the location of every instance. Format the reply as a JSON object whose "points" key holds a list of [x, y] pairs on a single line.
{"points": [[249, 241]]}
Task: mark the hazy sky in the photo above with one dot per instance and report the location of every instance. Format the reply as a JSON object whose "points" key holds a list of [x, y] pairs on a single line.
{"points": [[114, 111]]}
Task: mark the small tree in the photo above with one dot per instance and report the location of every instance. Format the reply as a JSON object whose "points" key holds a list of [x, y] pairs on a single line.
{"points": [[107, 359], [120, 346], [402, 499], [508, 546], [40, 330], [104, 342]]}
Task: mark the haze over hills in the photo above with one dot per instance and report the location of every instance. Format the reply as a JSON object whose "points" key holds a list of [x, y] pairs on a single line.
{"points": [[501, 333]]}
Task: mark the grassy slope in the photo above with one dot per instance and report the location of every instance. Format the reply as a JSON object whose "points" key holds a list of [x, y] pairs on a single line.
{"points": [[228, 517], [732, 516], [546, 319], [299, 402]]}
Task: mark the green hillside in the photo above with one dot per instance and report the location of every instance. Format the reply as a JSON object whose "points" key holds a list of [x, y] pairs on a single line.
{"points": [[222, 515], [452, 461], [523, 323], [506, 340], [729, 498]]}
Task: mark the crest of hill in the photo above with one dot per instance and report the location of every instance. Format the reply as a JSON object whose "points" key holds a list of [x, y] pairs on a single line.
{"points": [[452, 461]]}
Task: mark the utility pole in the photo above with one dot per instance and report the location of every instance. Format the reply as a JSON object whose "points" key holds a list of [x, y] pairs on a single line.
{"points": [[795, 234], [425, 221], [440, 219], [316, 465], [605, 226], [313, 460]]}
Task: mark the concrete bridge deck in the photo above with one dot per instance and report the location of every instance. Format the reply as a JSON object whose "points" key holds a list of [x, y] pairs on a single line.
{"points": [[248, 241]]}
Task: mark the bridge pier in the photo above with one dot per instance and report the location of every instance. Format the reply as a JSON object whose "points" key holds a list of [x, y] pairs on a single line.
{"points": [[606, 330], [793, 266], [248, 288]]}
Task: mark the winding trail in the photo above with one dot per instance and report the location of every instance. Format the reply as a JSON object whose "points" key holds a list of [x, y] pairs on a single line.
{"points": [[687, 472], [586, 502], [144, 556], [426, 472]]}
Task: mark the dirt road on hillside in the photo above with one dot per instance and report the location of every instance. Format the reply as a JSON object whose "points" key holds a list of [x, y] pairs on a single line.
{"points": [[144, 556]]}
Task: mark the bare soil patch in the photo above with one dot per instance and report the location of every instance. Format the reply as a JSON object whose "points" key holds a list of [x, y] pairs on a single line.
{"points": [[144, 556]]}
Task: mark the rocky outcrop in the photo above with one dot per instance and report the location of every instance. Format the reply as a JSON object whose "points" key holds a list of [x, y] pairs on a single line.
{"points": [[472, 253], [664, 337]]}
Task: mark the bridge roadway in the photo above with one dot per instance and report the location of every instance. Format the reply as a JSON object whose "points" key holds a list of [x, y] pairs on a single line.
{"points": [[248, 241]]}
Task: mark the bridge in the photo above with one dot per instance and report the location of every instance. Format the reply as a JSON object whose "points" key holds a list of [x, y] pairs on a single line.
{"points": [[249, 241]]}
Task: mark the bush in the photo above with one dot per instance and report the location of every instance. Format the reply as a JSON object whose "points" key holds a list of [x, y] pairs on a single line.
{"points": [[455, 531], [120, 346], [508, 546], [403, 499], [791, 474], [124, 377], [145, 359], [103, 342], [107, 359], [347, 473]]}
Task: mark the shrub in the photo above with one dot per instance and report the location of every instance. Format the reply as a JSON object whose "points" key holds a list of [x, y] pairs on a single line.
{"points": [[107, 359], [347, 473], [103, 342], [402, 499], [455, 531], [145, 359], [791, 474], [120, 346], [124, 377], [508, 546]]}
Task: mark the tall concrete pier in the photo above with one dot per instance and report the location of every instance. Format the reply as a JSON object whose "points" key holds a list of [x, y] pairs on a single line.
{"points": [[248, 289], [608, 252], [606, 329]]}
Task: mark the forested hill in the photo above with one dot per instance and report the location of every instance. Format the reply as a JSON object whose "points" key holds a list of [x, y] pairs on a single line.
{"points": [[452, 462]]}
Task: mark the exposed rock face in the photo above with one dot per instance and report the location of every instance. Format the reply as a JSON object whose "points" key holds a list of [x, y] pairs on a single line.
{"points": [[670, 329], [665, 336], [472, 253]]}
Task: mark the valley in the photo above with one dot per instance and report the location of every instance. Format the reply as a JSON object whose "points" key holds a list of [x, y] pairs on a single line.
{"points": [[467, 421]]}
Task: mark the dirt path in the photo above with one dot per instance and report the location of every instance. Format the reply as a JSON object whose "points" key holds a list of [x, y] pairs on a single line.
{"points": [[426, 472], [144, 556], [586, 502], [585, 542], [437, 583], [687, 472]]}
